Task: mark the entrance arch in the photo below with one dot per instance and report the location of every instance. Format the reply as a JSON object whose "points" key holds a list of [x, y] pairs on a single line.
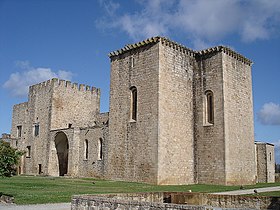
{"points": [[62, 149]]}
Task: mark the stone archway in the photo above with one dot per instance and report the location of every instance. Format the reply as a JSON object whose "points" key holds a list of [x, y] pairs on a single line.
{"points": [[62, 150]]}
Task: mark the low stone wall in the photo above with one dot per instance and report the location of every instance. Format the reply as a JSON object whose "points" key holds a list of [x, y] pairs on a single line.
{"points": [[167, 200], [89, 202], [226, 201]]}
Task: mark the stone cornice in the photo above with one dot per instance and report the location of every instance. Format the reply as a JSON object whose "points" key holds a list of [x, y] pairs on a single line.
{"points": [[156, 39], [167, 42], [227, 51]]}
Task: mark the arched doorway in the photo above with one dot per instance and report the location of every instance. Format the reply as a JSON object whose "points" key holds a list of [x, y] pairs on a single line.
{"points": [[62, 147]]}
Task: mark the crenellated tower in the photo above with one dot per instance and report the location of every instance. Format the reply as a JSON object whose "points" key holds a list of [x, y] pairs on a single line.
{"points": [[52, 105]]}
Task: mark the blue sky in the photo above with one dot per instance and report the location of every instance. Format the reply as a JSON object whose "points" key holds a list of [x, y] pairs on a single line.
{"points": [[70, 39]]}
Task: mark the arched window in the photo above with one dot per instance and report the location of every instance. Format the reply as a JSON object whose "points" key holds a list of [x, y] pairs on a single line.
{"points": [[133, 105], [100, 149], [86, 149], [209, 107]]}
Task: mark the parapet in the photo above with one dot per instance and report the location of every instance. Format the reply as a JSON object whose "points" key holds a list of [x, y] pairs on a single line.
{"points": [[181, 48], [55, 82], [226, 50], [156, 39]]}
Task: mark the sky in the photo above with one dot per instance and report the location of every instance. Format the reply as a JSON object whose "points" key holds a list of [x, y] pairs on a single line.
{"points": [[71, 39]]}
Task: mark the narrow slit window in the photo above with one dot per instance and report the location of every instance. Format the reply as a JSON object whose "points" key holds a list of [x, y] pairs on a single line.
{"points": [[39, 168], [100, 149], [132, 62], [86, 149], [36, 130], [133, 103], [209, 107], [19, 131]]}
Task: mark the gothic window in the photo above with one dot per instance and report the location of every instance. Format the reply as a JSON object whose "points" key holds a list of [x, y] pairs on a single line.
{"points": [[100, 149], [36, 130], [19, 130], [28, 151], [209, 98], [133, 109], [86, 149], [270, 156]]}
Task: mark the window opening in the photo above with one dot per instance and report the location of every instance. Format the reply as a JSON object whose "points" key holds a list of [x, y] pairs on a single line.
{"points": [[28, 151], [270, 158], [132, 62], [133, 103], [209, 107], [86, 149], [100, 149], [19, 131], [36, 130], [40, 169], [69, 125]]}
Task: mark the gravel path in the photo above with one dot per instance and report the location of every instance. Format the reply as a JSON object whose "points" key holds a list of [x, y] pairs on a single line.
{"points": [[52, 206], [251, 191]]}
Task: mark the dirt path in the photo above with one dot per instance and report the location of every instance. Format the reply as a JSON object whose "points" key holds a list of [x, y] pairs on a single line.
{"points": [[251, 191], [52, 206]]}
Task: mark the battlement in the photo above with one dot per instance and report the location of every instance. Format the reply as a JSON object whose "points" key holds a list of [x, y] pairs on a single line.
{"points": [[55, 82], [157, 39], [227, 51], [167, 42]]}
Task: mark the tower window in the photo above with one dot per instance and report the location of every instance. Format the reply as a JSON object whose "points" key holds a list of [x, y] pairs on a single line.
{"points": [[132, 62], [86, 149], [100, 149], [19, 131], [133, 105], [28, 151], [36, 130], [209, 107]]}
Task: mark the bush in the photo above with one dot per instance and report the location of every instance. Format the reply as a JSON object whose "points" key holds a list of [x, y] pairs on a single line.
{"points": [[9, 159]]}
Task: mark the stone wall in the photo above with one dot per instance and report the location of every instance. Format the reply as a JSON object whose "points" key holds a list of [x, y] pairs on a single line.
{"points": [[265, 162], [128, 201], [239, 126], [53, 104], [173, 200], [132, 144], [81, 101], [210, 138], [175, 115]]}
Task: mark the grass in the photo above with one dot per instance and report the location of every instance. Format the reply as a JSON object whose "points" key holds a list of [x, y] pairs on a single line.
{"points": [[36, 189]]}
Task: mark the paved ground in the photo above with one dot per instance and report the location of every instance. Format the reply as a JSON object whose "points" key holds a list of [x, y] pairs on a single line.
{"points": [[55, 206], [251, 191]]}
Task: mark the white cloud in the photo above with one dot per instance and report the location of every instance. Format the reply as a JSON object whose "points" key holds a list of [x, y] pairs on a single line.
{"points": [[19, 82], [202, 20], [109, 6], [269, 114]]}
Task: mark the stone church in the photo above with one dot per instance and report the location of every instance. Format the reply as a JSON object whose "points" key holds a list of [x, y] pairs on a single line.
{"points": [[177, 116]]}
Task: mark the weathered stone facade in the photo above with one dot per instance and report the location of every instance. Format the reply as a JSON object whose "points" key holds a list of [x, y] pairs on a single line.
{"points": [[265, 162], [177, 116], [172, 201]]}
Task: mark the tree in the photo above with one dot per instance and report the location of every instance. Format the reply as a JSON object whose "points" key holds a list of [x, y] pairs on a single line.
{"points": [[9, 159]]}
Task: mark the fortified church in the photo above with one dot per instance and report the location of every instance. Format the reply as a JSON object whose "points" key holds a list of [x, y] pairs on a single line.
{"points": [[177, 116]]}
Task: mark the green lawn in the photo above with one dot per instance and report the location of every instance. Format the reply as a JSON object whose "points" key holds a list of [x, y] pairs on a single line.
{"points": [[36, 189]]}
